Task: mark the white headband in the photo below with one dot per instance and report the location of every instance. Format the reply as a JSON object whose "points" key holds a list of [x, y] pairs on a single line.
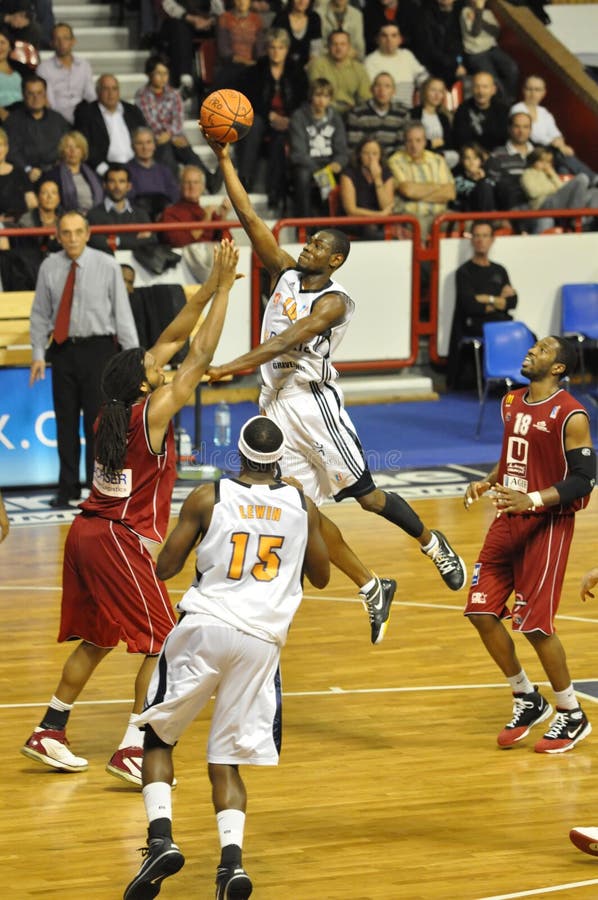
{"points": [[257, 456]]}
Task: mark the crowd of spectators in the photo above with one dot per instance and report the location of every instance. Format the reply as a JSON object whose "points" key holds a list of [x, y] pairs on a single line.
{"points": [[351, 102]]}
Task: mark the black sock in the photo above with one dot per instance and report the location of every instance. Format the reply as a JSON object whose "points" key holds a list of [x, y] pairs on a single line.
{"points": [[55, 719], [160, 828], [231, 855], [398, 511]]}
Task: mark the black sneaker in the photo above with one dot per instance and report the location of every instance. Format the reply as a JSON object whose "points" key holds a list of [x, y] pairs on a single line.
{"points": [[528, 710], [232, 883], [451, 567], [377, 605], [162, 858], [568, 728]]}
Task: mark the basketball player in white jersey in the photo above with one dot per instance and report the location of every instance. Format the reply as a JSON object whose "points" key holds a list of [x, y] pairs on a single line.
{"points": [[304, 321], [257, 537]]}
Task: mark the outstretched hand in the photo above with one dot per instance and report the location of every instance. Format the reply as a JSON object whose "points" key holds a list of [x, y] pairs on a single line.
{"points": [[220, 150], [587, 583], [225, 263]]}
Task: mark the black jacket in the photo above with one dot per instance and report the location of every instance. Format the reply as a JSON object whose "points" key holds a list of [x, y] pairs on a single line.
{"points": [[89, 121]]}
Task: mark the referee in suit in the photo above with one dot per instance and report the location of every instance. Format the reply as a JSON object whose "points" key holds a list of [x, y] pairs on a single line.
{"points": [[81, 300]]}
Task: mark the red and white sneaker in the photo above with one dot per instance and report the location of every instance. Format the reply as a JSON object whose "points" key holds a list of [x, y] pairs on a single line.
{"points": [[568, 728], [126, 764], [585, 839], [52, 749]]}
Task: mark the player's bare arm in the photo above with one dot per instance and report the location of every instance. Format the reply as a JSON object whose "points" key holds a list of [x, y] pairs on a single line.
{"points": [[192, 524], [173, 338], [579, 481], [316, 564], [168, 399], [329, 310], [263, 241]]}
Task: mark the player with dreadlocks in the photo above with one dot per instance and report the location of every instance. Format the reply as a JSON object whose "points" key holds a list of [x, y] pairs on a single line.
{"points": [[110, 590]]}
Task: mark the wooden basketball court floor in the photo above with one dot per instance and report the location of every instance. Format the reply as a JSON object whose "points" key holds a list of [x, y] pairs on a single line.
{"points": [[390, 783]]}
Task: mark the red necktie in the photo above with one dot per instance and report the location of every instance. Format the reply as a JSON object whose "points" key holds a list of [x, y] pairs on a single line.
{"points": [[63, 317]]}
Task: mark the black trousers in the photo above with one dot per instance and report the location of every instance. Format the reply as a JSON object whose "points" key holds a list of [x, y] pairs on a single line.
{"points": [[77, 367]]}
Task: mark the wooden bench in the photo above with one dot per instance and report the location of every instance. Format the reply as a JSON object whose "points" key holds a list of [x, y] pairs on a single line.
{"points": [[15, 312], [15, 344]]}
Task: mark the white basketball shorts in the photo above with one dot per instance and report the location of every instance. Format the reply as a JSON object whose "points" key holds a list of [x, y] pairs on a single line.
{"points": [[201, 658], [322, 448]]}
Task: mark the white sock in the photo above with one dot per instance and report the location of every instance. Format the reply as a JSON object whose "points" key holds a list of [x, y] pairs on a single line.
{"points": [[429, 548], [520, 683], [57, 704], [157, 797], [231, 824], [133, 736], [368, 586], [566, 699]]}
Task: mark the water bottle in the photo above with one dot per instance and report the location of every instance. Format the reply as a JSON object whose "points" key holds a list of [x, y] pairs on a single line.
{"points": [[184, 447], [222, 425]]}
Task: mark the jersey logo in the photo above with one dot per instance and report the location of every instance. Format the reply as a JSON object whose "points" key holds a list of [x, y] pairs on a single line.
{"points": [[542, 426], [289, 308], [554, 412], [509, 399], [276, 298]]}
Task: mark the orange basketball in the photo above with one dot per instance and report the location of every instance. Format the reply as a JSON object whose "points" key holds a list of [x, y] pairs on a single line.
{"points": [[226, 116]]}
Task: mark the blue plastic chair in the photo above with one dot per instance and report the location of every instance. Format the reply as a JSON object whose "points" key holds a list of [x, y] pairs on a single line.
{"points": [[505, 347], [579, 312]]}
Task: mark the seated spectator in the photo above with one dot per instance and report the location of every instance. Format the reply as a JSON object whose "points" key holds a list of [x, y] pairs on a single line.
{"points": [[184, 22], [276, 87], [506, 164], [340, 15], [435, 117], [367, 187], [11, 90], [68, 77], [405, 68], [189, 209], [482, 118], [162, 109], [80, 187], [484, 294], [108, 124], [116, 209], [153, 185], [545, 131], [304, 27], [545, 190], [19, 20], [401, 13], [317, 142], [34, 131], [16, 192], [437, 41], [241, 41], [380, 117], [33, 249], [423, 181], [480, 30], [348, 77], [475, 191]]}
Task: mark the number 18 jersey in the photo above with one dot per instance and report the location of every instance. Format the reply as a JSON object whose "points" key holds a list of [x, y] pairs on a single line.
{"points": [[250, 561]]}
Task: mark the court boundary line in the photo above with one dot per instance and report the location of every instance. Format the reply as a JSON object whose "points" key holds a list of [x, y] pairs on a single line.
{"points": [[554, 889]]}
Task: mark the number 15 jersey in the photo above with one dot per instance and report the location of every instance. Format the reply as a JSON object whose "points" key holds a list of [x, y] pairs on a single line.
{"points": [[249, 564]]}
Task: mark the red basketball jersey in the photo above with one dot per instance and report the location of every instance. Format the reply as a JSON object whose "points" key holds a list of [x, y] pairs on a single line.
{"points": [[533, 448], [140, 494]]}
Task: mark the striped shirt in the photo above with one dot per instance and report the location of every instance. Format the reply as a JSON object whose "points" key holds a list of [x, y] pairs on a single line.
{"points": [[431, 169]]}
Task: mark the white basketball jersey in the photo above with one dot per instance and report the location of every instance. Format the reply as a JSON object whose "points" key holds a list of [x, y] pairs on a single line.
{"points": [[310, 361], [250, 561]]}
